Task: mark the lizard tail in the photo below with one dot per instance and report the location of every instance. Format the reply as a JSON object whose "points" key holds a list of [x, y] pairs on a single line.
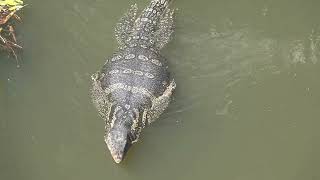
{"points": [[161, 3]]}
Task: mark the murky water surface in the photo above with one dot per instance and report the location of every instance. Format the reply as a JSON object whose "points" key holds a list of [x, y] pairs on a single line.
{"points": [[247, 105]]}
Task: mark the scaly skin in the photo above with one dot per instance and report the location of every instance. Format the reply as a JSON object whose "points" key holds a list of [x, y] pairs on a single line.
{"points": [[134, 86]]}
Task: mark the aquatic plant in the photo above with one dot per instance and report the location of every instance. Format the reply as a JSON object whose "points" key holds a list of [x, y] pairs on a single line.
{"points": [[8, 10]]}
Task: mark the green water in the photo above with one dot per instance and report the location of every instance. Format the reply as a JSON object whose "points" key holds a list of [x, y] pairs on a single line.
{"points": [[247, 106]]}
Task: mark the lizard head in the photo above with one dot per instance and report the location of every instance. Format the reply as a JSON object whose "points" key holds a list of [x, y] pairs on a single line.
{"points": [[119, 137], [118, 143]]}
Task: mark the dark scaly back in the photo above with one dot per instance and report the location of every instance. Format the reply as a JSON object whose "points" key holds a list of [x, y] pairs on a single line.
{"points": [[140, 55]]}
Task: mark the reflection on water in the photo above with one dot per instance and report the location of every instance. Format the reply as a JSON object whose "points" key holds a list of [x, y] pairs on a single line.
{"points": [[240, 54], [246, 106]]}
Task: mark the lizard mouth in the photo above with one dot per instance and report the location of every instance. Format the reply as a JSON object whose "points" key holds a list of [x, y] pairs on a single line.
{"points": [[117, 154], [116, 151], [117, 157], [118, 145]]}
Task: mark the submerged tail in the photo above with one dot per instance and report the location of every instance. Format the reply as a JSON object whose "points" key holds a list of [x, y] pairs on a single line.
{"points": [[151, 14], [159, 5], [164, 3]]}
